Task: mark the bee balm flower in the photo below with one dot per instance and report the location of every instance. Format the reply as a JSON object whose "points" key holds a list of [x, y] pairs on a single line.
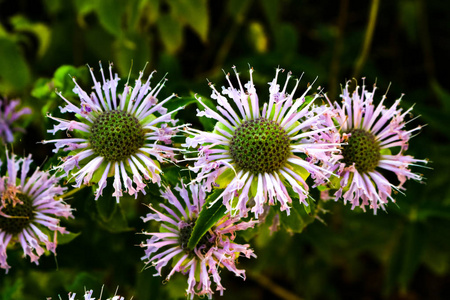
{"points": [[256, 154], [118, 134], [28, 209], [371, 133], [215, 250]]}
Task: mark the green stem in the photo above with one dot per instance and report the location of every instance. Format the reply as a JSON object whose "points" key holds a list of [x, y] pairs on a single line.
{"points": [[368, 38], [276, 289]]}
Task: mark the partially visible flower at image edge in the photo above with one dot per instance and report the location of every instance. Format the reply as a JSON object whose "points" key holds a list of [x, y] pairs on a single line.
{"points": [[29, 210], [88, 296], [370, 134], [118, 134], [8, 115], [215, 249], [256, 154]]}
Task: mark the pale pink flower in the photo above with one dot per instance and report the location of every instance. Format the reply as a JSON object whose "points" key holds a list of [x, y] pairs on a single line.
{"points": [[119, 134], [88, 296], [215, 250], [28, 209], [375, 140], [254, 154]]}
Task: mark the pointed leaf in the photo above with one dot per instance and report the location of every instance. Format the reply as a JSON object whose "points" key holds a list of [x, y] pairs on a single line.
{"points": [[208, 218]]}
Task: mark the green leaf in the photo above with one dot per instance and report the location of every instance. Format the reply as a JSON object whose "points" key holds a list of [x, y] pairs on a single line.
{"points": [[106, 205], [179, 102], [62, 79], [66, 238], [132, 51], [271, 9], [12, 289], [40, 30], [117, 223], [110, 14], [208, 218], [84, 6], [152, 10], [298, 218], [83, 280], [225, 178], [194, 13], [14, 72], [406, 257], [170, 31]]}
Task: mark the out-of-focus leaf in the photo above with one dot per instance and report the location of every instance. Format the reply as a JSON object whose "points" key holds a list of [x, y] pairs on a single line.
{"points": [[271, 9], [84, 280], [286, 39], [66, 238], [408, 15], [405, 258], [132, 52], [257, 37], [12, 290], [42, 88], [194, 13], [238, 9], [110, 14], [117, 222], [106, 205], [298, 218], [14, 71], [84, 7], [149, 10], [442, 94], [170, 31], [63, 78], [208, 217], [53, 6], [40, 30]]}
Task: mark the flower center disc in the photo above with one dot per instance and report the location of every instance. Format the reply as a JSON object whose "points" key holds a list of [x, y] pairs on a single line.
{"points": [[260, 146], [21, 215], [363, 150], [116, 135]]}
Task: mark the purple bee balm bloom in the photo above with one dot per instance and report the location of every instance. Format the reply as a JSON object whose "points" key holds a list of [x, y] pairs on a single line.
{"points": [[118, 134], [215, 249], [7, 116], [29, 209], [256, 154], [371, 135]]}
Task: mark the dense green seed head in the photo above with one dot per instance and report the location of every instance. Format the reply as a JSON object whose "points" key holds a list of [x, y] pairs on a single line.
{"points": [[21, 215], [260, 146], [116, 135], [363, 150]]}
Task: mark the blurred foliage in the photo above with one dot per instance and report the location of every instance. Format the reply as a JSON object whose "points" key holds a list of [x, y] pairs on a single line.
{"points": [[329, 252]]}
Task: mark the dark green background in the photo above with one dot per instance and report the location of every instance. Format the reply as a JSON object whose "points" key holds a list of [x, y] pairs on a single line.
{"points": [[402, 254]]}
